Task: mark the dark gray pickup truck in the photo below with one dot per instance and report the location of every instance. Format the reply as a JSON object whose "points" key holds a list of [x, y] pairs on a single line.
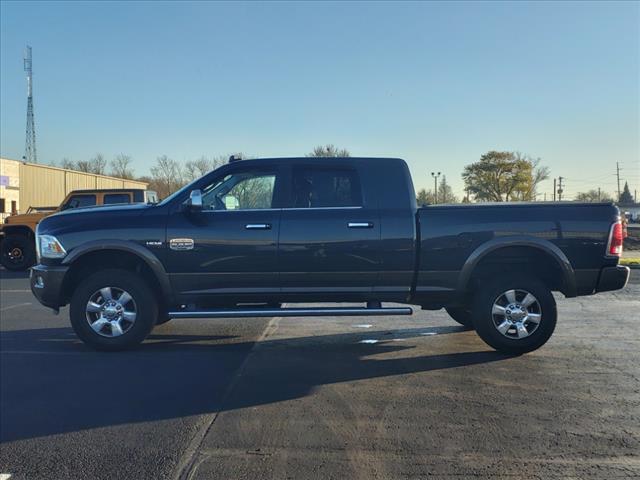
{"points": [[252, 235]]}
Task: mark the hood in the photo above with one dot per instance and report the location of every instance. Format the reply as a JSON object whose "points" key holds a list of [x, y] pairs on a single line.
{"points": [[105, 209], [95, 218]]}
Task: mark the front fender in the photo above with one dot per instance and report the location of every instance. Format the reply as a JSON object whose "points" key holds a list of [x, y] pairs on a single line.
{"points": [[568, 275], [127, 246]]}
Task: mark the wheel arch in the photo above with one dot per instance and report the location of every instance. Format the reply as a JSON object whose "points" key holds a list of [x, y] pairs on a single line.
{"points": [[18, 230], [116, 254], [548, 251]]}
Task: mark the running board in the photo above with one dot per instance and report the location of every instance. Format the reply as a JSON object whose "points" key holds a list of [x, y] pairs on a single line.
{"points": [[293, 312]]}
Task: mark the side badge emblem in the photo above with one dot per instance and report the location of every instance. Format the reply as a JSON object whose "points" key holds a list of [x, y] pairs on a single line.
{"points": [[181, 244]]}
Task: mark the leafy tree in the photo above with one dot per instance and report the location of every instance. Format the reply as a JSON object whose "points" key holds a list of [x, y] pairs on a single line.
{"points": [[329, 150], [593, 196], [425, 197], [167, 176], [625, 196], [504, 176], [120, 166], [445, 192]]}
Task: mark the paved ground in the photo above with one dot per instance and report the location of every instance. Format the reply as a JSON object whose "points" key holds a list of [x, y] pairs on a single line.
{"points": [[402, 397]]}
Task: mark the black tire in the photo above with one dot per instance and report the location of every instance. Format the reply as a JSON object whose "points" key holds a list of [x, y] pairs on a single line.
{"points": [[461, 315], [17, 252], [146, 306], [486, 322]]}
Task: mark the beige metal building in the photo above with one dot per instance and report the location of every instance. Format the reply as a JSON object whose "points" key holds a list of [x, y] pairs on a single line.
{"points": [[24, 185]]}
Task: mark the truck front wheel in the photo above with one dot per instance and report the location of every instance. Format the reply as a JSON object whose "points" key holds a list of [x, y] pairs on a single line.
{"points": [[515, 314], [17, 252], [113, 310]]}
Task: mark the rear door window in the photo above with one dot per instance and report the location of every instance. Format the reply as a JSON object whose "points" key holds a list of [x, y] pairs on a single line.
{"points": [[78, 201], [318, 187], [110, 198]]}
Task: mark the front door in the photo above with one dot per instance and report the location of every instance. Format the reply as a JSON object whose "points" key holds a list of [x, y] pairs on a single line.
{"points": [[229, 249]]}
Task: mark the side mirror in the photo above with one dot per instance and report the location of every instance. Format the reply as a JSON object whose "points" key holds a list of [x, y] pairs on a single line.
{"points": [[194, 204]]}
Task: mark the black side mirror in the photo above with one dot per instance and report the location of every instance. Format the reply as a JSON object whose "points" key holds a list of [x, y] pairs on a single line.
{"points": [[194, 204]]}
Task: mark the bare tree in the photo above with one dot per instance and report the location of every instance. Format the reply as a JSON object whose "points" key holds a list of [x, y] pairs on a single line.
{"points": [[68, 164], [167, 176], [98, 164], [593, 196], [199, 167], [84, 166], [329, 150], [120, 166]]}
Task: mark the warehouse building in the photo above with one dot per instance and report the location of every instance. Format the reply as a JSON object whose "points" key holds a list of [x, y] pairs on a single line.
{"points": [[24, 185]]}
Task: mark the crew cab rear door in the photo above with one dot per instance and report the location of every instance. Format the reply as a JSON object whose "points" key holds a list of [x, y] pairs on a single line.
{"points": [[329, 234]]}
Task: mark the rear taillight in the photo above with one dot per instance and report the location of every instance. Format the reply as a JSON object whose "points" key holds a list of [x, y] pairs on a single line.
{"points": [[614, 247]]}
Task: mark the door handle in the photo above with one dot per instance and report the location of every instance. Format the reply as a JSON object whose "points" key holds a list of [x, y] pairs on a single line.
{"points": [[258, 226], [360, 224]]}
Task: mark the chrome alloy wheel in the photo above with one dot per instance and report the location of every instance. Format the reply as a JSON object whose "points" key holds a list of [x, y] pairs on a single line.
{"points": [[516, 314], [111, 312]]}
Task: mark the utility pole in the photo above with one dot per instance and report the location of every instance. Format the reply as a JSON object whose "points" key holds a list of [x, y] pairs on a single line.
{"points": [[599, 196], [618, 177], [554, 189], [30, 154], [435, 186], [559, 189]]}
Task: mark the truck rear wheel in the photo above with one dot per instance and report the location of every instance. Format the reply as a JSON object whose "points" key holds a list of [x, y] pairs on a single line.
{"points": [[461, 315], [514, 314], [113, 310], [17, 252]]}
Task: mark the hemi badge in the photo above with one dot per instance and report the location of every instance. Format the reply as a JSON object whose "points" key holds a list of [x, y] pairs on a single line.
{"points": [[181, 244], [153, 243]]}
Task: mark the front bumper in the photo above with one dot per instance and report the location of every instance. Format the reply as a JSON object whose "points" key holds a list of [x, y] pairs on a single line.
{"points": [[613, 278], [46, 284]]}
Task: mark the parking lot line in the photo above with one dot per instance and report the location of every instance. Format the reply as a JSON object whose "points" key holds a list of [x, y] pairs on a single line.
{"points": [[4, 309]]}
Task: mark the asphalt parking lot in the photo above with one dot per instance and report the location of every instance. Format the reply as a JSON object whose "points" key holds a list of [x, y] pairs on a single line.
{"points": [[364, 398]]}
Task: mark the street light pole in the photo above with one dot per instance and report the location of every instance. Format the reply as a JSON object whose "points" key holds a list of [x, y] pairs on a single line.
{"points": [[435, 186]]}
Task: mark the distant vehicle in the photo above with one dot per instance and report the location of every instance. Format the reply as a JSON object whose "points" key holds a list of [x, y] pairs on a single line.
{"points": [[17, 234], [253, 234]]}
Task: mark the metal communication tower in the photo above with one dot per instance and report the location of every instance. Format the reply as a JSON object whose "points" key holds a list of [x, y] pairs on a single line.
{"points": [[30, 154]]}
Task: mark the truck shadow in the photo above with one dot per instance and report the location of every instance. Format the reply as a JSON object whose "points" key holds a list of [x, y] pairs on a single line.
{"points": [[50, 383]]}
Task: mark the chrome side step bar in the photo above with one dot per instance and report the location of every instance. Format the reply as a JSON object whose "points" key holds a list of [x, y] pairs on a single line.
{"points": [[292, 312]]}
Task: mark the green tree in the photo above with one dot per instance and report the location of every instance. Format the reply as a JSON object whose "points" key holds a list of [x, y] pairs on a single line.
{"points": [[593, 196], [504, 176], [425, 197], [625, 196], [445, 192], [329, 150]]}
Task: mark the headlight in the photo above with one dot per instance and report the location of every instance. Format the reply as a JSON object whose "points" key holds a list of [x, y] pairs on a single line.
{"points": [[50, 247]]}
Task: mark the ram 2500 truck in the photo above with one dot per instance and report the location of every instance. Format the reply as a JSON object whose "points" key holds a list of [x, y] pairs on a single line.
{"points": [[254, 234]]}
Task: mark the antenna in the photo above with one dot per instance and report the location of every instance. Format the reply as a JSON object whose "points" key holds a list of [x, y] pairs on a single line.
{"points": [[30, 154]]}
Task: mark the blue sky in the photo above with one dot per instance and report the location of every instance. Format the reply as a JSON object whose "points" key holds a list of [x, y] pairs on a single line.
{"points": [[435, 83]]}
